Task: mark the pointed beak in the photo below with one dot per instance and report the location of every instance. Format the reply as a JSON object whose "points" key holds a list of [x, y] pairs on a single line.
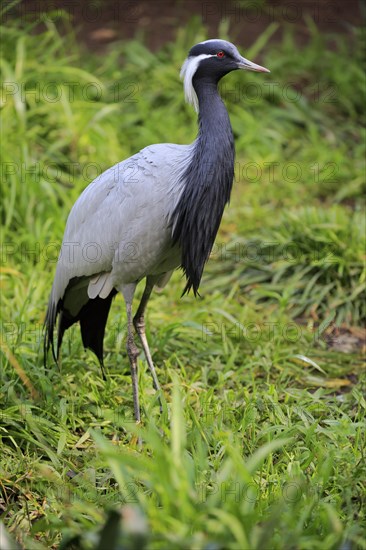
{"points": [[250, 66]]}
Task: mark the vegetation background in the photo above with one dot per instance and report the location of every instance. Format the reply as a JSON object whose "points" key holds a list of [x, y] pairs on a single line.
{"points": [[261, 443]]}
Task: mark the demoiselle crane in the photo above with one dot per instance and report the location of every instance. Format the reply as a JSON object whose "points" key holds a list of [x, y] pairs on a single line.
{"points": [[148, 215]]}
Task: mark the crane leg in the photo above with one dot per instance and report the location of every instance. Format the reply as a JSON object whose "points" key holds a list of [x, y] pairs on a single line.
{"points": [[132, 350], [139, 323]]}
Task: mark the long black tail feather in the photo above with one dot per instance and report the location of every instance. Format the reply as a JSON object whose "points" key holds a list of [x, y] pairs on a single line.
{"points": [[92, 317]]}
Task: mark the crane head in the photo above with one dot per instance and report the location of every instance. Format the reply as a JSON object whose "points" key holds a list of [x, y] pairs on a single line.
{"points": [[211, 60]]}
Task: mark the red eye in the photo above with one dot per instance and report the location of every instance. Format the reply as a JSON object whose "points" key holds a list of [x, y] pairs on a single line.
{"points": [[220, 54]]}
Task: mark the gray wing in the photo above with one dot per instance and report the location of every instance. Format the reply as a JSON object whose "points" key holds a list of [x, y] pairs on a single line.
{"points": [[117, 232]]}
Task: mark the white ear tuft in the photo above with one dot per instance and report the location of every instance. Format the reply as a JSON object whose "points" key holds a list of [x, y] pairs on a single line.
{"points": [[187, 73]]}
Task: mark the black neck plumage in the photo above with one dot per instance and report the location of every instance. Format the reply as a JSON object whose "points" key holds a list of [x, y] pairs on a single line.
{"points": [[207, 184]]}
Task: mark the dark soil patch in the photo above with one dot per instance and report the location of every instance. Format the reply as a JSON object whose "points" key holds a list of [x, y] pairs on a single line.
{"points": [[99, 23]]}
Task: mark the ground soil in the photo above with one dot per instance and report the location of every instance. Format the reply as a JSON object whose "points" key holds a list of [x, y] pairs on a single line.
{"points": [[99, 22]]}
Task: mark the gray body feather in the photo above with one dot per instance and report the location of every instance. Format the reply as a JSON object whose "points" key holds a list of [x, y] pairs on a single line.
{"points": [[118, 231]]}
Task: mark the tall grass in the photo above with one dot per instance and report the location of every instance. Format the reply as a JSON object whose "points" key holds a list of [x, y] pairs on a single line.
{"points": [[309, 261]]}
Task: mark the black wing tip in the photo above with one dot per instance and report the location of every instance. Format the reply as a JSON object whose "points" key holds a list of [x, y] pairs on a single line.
{"points": [[48, 327], [100, 360], [93, 318], [47, 344]]}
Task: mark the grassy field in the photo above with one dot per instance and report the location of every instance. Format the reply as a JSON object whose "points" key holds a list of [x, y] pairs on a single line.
{"points": [[261, 444]]}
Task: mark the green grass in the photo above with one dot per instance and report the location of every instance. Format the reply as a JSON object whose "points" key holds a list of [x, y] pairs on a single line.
{"points": [[310, 260], [261, 443]]}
